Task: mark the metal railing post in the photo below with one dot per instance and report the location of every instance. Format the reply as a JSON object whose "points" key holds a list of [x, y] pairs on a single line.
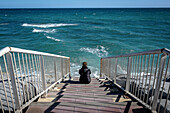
{"points": [[13, 80], [128, 73], [55, 70], [62, 75], [115, 70], [42, 73], [158, 82], [109, 68], [101, 68], [69, 68]]}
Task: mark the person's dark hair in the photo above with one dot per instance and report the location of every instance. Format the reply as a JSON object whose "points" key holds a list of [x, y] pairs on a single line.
{"points": [[84, 63]]}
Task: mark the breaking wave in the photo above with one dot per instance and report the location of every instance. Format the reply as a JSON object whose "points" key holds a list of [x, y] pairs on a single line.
{"points": [[44, 30], [53, 39], [4, 23], [47, 25], [100, 51], [75, 70]]}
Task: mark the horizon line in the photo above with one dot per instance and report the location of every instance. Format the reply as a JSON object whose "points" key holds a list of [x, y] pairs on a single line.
{"points": [[79, 7]]}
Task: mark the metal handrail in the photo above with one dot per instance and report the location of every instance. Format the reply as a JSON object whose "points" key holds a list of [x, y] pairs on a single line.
{"points": [[157, 51], [13, 49], [145, 77], [28, 75]]}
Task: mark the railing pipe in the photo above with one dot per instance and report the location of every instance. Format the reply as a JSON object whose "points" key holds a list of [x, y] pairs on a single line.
{"points": [[101, 64], [163, 84], [31, 69], [115, 70], [13, 49], [2, 109], [28, 96], [158, 83], [69, 68], [146, 78], [62, 75], [128, 73], [144, 64], [55, 69], [23, 87], [15, 67], [154, 77], [132, 82], [167, 99], [37, 71], [8, 81], [140, 74], [13, 80], [42, 73], [157, 51]]}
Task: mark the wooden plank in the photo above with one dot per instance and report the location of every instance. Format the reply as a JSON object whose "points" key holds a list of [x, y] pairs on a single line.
{"points": [[74, 97]]}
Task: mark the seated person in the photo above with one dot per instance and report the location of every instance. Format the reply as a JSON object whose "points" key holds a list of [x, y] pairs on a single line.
{"points": [[84, 74]]}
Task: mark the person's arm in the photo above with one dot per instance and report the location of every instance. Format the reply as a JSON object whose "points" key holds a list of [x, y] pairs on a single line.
{"points": [[89, 71], [80, 71]]}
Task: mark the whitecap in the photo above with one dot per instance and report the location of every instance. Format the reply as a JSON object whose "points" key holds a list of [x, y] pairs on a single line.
{"points": [[47, 25], [44, 30], [58, 40], [4, 23], [100, 51], [75, 70]]}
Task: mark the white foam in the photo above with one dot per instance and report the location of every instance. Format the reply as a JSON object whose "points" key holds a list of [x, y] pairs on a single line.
{"points": [[44, 30], [100, 51], [53, 39], [75, 70], [47, 25], [4, 23], [121, 70]]}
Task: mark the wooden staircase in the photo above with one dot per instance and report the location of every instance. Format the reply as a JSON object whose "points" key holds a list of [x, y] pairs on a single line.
{"points": [[100, 96]]}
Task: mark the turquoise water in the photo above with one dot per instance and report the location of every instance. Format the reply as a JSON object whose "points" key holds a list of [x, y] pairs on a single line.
{"points": [[85, 34]]}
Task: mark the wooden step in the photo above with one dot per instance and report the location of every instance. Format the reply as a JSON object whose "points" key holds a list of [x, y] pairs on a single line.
{"points": [[72, 97], [65, 107]]}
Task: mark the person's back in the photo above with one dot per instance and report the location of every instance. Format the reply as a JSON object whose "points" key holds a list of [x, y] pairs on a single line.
{"points": [[85, 74]]}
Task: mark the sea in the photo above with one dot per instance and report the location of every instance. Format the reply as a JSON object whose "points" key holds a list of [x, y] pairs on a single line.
{"points": [[86, 34]]}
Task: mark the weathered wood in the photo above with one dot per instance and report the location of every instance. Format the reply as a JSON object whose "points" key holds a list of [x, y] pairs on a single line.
{"points": [[90, 98]]}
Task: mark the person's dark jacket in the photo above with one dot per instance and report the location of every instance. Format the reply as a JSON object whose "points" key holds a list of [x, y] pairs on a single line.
{"points": [[85, 75]]}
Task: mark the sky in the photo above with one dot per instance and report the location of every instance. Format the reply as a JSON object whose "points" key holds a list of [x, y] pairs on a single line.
{"points": [[83, 3]]}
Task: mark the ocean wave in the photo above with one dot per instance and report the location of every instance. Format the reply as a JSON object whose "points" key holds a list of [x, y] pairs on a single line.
{"points": [[58, 40], [75, 70], [128, 32], [4, 23], [121, 70], [100, 51], [47, 25], [44, 30]]}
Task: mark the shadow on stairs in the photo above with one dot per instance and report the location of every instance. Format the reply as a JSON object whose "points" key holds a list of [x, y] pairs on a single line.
{"points": [[100, 96]]}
